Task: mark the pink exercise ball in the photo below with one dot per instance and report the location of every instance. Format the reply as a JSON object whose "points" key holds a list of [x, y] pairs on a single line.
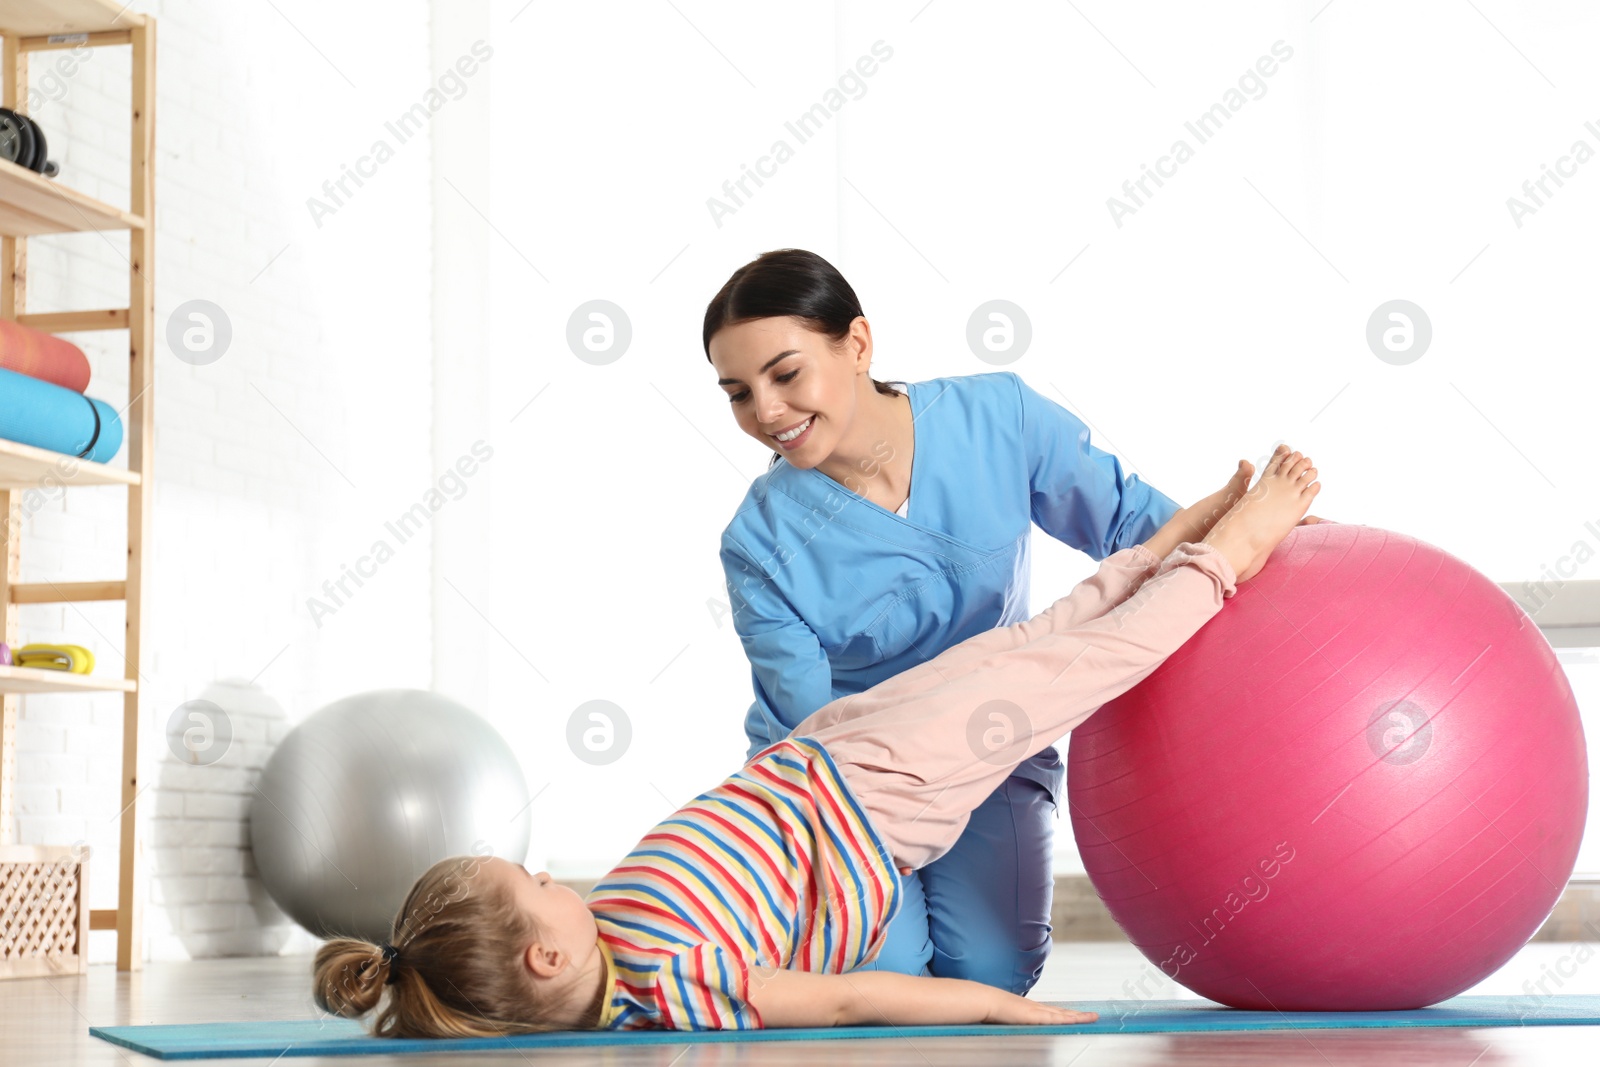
{"points": [[1359, 787]]}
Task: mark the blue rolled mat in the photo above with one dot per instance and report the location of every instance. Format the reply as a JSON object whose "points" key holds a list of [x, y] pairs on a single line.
{"points": [[42, 414], [345, 1037]]}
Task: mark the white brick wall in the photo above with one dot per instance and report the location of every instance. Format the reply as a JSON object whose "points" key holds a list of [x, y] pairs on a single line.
{"points": [[275, 465], [205, 897]]}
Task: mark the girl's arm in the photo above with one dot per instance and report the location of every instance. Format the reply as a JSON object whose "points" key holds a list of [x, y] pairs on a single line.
{"points": [[785, 998]]}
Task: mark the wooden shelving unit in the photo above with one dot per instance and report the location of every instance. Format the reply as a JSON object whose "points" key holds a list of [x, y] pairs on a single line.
{"points": [[31, 205]]}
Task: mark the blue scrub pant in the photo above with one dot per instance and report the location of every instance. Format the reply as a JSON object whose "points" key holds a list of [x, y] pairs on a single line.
{"points": [[982, 910]]}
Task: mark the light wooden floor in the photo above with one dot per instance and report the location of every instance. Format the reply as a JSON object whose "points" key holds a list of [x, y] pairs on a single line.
{"points": [[46, 1021]]}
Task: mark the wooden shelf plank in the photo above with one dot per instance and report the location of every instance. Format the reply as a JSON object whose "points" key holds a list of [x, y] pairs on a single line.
{"points": [[31, 205], [39, 680], [36, 18], [25, 467], [66, 592], [75, 321]]}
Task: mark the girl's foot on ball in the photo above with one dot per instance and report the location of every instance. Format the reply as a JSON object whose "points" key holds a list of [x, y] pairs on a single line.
{"points": [[1205, 513], [1195, 521], [1249, 532]]}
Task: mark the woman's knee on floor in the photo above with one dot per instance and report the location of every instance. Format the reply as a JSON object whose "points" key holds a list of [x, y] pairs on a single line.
{"points": [[988, 899], [1008, 967]]}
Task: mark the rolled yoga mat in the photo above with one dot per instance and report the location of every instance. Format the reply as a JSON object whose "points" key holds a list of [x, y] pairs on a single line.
{"points": [[42, 355], [47, 416], [72, 658], [329, 1036]]}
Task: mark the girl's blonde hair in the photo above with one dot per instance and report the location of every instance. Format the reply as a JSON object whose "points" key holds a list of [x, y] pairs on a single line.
{"points": [[457, 967]]}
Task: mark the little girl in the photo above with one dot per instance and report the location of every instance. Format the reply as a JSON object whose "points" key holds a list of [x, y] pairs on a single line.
{"points": [[750, 906]]}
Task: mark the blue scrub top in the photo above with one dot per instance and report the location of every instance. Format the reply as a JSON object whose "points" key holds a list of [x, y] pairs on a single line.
{"points": [[832, 593]]}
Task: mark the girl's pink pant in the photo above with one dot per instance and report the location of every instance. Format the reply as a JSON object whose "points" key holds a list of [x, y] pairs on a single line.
{"points": [[921, 750]]}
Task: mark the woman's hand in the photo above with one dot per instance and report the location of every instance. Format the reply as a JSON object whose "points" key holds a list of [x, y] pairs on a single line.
{"points": [[1010, 1009]]}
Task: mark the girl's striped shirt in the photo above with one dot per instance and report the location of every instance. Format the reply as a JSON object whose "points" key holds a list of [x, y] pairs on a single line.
{"points": [[777, 866]]}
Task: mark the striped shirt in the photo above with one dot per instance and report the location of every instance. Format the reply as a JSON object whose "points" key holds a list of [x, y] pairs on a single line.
{"points": [[777, 866]]}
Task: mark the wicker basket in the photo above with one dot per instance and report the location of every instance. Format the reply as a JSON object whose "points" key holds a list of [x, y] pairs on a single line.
{"points": [[44, 910]]}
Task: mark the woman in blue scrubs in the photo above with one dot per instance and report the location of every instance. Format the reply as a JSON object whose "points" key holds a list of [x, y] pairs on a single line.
{"points": [[890, 526]]}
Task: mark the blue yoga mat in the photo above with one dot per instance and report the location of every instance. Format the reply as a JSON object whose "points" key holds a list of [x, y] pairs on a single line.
{"points": [[345, 1037], [43, 414]]}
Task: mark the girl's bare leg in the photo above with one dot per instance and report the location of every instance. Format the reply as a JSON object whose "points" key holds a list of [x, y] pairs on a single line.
{"points": [[1195, 521]]}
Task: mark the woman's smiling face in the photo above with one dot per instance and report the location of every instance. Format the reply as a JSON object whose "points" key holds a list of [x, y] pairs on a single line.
{"points": [[782, 378]]}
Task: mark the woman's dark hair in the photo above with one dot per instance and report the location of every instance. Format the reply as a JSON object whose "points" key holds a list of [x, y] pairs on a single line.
{"points": [[788, 282]]}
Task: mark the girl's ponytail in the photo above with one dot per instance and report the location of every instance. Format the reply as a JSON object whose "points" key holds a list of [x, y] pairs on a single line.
{"points": [[454, 968]]}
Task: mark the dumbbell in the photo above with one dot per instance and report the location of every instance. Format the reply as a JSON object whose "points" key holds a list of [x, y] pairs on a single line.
{"points": [[22, 142]]}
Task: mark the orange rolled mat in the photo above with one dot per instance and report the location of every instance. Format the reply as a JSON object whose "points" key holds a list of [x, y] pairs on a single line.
{"points": [[43, 356]]}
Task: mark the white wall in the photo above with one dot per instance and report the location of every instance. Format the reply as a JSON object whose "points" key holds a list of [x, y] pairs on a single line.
{"points": [[462, 384], [1228, 312], [276, 465]]}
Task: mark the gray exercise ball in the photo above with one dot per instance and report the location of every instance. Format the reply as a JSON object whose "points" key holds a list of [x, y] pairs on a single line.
{"points": [[371, 791]]}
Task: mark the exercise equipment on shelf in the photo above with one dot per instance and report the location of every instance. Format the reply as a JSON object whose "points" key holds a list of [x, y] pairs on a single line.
{"points": [[72, 658], [33, 412], [42, 355], [22, 142]]}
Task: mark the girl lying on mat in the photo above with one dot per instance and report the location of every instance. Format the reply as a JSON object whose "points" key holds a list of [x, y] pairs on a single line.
{"points": [[752, 904]]}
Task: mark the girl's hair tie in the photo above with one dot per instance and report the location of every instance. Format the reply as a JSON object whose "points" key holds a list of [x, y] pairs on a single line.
{"points": [[390, 953]]}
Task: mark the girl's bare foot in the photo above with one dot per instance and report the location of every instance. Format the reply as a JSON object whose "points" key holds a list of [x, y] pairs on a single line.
{"points": [[1195, 521], [1249, 532], [1206, 512]]}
